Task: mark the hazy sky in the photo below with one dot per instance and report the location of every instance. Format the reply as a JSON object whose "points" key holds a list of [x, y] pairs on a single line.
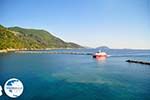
{"points": [[114, 23]]}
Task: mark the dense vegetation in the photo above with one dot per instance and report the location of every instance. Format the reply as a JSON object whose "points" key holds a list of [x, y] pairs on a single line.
{"points": [[18, 38]]}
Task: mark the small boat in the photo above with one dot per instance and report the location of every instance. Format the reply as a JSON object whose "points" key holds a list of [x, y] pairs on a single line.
{"points": [[100, 54]]}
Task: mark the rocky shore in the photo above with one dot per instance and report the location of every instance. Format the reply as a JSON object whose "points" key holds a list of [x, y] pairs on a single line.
{"points": [[32, 49]]}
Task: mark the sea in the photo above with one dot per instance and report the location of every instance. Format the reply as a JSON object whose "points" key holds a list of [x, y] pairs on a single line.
{"points": [[78, 77]]}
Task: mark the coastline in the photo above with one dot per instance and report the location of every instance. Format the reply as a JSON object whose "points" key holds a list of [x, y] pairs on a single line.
{"points": [[32, 49]]}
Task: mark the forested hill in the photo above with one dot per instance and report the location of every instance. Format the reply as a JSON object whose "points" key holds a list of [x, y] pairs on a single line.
{"points": [[19, 38]]}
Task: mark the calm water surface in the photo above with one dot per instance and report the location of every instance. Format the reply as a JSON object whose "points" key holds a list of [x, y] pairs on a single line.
{"points": [[76, 77]]}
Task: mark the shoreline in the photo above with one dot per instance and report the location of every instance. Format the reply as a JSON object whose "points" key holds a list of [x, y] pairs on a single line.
{"points": [[25, 49]]}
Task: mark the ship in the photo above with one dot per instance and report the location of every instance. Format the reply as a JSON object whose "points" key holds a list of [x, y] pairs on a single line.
{"points": [[100, 54]]}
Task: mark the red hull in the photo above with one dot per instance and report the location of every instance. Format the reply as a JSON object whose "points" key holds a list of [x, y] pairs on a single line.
{"points": [[98, 56]]}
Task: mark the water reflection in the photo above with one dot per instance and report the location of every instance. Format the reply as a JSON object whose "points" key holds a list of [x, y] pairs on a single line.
{"points": [[100, 58]]}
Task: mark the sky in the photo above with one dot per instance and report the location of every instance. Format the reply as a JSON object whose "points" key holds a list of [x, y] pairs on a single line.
{"points": [[91, 23]]}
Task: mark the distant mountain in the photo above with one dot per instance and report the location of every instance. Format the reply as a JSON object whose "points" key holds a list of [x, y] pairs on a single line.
{"points": [[103, 48], [18, 38], [120, 52]]}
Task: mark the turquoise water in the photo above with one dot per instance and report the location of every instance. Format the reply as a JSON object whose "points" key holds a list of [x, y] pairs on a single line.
{"points": [[76, 77]]}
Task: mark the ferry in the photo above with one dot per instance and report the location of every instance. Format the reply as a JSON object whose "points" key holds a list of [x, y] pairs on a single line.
{"points": [[100, 54]]}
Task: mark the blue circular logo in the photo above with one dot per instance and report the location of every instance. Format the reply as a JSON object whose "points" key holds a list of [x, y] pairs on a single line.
{"points": [[1, 90], [13, 88]]}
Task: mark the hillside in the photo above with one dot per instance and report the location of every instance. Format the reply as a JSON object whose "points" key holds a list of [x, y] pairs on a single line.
{"points": [[18, 38]]}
